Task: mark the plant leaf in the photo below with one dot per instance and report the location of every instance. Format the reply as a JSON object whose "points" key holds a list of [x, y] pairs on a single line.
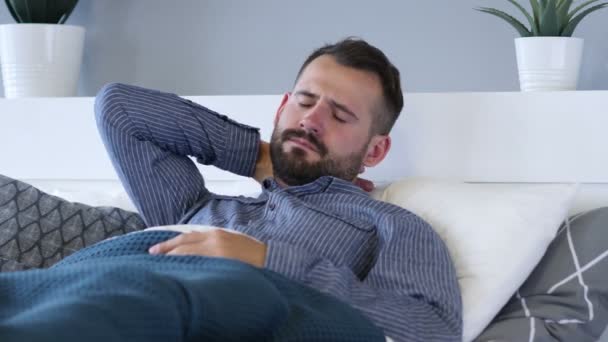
{"points": [[62, 10], [536, 12], [548, 22], [580, 7], [69, 8], [523, 31], [543, 5], [563, 7], [41, 11], [11, 9], [523, 10], [24, 11], [569, 29]]}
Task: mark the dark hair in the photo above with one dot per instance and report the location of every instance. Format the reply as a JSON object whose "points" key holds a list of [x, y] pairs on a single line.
{"points": [[358, 54]]}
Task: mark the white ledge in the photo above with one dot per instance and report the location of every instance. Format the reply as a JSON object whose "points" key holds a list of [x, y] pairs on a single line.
{"points": [[480, 137]]}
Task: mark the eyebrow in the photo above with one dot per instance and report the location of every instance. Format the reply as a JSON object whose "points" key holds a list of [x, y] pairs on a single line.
{"points": [[332, 102]]}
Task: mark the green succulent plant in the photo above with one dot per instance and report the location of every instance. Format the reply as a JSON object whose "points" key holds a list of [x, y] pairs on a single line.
{"points": [[41, 11], [548, 17]]}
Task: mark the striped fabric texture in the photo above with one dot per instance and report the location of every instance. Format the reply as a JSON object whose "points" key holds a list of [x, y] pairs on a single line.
{"points": [[328, 234]]}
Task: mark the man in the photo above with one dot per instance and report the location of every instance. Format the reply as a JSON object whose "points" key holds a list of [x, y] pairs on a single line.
{"points": [[311, 223]]}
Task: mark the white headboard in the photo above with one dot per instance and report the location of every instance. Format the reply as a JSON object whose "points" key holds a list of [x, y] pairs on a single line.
{"points": [[475, 137]]}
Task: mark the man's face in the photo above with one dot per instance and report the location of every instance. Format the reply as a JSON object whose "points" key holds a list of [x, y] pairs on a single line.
{"points": [[323, 127]]}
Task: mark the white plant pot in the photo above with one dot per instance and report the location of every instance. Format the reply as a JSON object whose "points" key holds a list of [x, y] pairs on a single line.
{"points": [[548, 63], [40, 59]]}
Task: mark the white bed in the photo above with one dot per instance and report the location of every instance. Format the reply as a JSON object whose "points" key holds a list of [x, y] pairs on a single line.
{"points": [[552, 137]]}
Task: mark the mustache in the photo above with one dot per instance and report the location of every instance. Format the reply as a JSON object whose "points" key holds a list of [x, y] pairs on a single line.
{"points": [[295, 133]]}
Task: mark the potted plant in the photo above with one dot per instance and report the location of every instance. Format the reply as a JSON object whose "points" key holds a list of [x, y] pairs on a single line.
{"points": [[40, 56], [548, 57]]}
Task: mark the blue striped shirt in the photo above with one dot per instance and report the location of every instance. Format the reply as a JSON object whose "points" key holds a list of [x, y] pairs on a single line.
{"points": [[328, 234]]}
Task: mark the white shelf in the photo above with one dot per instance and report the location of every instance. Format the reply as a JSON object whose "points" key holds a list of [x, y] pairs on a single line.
{"points": [[485, 137]]}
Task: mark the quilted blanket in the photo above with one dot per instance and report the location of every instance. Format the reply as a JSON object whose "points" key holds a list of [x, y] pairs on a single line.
{"points": [[116, 291]]}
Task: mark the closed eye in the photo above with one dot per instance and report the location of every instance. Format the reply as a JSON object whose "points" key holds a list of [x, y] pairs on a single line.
{"points": [[339, 119], [309, 105], [304, 95]]}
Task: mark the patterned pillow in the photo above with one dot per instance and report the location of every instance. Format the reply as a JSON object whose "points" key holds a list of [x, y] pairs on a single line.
{"points": [[37, 229], [566, 296]]}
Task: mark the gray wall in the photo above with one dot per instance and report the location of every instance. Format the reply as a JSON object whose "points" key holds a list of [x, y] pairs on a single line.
{"points": [[210, 47]]}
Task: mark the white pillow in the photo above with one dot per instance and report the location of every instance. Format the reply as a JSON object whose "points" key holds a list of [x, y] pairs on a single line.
{"points": [[495, 233], [111, 198], [112, 194]]}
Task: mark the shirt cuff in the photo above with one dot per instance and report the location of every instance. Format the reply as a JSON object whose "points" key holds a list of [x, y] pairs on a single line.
{"points": [[240, 151]]}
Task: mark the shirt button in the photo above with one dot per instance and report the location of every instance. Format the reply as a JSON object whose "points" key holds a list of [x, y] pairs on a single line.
{"points": [[271, 206]]}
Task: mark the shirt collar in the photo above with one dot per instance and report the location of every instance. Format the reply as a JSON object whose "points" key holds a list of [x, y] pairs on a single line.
{"points": [[324, 184]]}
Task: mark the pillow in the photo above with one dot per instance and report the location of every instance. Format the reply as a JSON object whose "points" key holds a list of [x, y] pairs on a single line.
{"points": [[114, 195], [37, 229], [495, 233], [97, 198], [555, 302]]}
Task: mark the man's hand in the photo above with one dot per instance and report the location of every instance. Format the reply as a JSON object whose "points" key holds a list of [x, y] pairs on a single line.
{"points": [[215, 243]]}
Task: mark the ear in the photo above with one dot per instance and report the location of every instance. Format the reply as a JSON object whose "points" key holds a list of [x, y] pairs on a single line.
{"points": [[377, 149], [281, 107]]}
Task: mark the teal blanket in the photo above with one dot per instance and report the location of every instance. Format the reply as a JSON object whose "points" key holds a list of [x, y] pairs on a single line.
{"points": [[116, 291]]}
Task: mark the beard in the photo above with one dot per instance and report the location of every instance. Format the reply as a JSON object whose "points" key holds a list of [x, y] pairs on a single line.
{"points": [[293, 169]]}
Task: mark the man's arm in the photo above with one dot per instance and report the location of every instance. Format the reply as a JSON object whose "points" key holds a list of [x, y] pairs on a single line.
{"points": [[150, 134], [411, 292]]}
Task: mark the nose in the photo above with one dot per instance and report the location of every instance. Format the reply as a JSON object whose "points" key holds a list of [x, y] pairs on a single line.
{"points": [[314, 119]]}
